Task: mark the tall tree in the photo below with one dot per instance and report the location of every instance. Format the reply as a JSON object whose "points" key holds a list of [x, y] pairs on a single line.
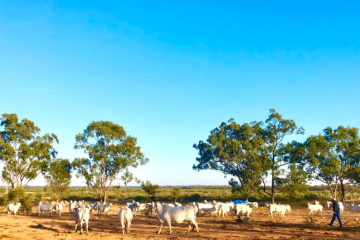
{"points": [[22, 150], [334, 156], [235, 150], [110, 151], [273, 133], [58, 176]]}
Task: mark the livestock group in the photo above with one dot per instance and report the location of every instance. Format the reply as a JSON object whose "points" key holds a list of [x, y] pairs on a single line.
{"points": [[168, 212]]}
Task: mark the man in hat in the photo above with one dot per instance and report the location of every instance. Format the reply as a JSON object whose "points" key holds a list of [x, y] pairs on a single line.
{"points": [[336, 213]]}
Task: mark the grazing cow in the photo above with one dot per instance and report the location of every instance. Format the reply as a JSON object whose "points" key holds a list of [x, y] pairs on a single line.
{"points": [[353, 208], [44, 207], [166, 214], [125, 216], [59, 207], [72, 206], [104, 208], [82, 215], [13, 208], [315, 208]]}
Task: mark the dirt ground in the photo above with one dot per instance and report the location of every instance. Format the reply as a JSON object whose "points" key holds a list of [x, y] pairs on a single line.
{"points": [[260, 226]]}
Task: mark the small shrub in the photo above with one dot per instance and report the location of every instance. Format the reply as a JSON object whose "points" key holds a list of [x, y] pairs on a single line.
{"points": [[26, 204], [310, 221]]}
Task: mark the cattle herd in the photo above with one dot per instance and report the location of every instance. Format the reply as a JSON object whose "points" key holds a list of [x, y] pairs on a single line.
{"points": [[168, 212]]}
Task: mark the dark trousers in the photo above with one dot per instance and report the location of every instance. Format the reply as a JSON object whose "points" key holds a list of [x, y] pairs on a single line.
{"points": [[336, 215]]}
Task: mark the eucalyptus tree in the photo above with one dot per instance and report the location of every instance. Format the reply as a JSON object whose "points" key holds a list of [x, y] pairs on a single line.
{"points": [[57, 174], [333, 157], [110, 151], [235, 150], [279, 153], [23, 151]]}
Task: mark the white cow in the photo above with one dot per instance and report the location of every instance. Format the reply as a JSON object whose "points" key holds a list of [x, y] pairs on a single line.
{"points": [[166, 214], [72, 206], [125, 216], [225, 208], [315, 208], [353, 208], [328, 204], [44, 207], [134, 207], [272, 208], [13, 208], [104, 208], [177, 204], [341, 207], [59, 207], [254, 204], [203, 207], [82, 215], [243, 208], [94, 206]]}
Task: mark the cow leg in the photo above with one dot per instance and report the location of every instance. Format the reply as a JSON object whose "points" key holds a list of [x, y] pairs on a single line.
{"points": [[87, 227], [128, 227], [169, 223], [189, 226], [160, 228], [81, 226], [76, 226]]}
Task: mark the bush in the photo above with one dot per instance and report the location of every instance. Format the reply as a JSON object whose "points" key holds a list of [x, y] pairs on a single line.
{"points": [[15, 196], [26, 204], [310, 221], [2, 202]]}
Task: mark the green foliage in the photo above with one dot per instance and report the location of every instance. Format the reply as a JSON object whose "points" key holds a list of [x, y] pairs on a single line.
{"points": [[235, 150], [110, 151], [176, 192], [250, 152], [27, 203], [57, 175], [22, 151], [295, 182], [15, 196], [150, 189], [334, 156]]}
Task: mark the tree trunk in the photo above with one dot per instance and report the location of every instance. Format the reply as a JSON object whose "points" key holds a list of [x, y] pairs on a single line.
{"points": [[272, 187], [342, 191]]}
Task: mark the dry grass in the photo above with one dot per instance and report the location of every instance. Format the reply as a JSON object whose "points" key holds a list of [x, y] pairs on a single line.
{"points": [[259, 227]]}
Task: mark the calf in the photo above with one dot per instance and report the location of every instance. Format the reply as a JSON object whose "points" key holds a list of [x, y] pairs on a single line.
{"points": [[125, 216]]}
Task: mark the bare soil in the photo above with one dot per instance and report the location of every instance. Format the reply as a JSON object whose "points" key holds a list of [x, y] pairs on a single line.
{"points": [[260, 226]]}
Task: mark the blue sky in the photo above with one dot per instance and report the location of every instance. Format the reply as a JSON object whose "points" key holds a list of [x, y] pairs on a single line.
{"points": [[170, 72]]}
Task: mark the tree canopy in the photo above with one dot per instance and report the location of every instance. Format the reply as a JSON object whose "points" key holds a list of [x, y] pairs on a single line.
{"points": [[58, 176], [333, 157], [250, 152], [110, 151], [22, 150]]}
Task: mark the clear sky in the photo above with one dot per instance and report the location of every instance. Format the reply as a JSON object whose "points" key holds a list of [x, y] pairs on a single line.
{"points": [[169, 71]]}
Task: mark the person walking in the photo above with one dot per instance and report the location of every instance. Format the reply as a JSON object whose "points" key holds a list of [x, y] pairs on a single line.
{"points": [[336, 213]]}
